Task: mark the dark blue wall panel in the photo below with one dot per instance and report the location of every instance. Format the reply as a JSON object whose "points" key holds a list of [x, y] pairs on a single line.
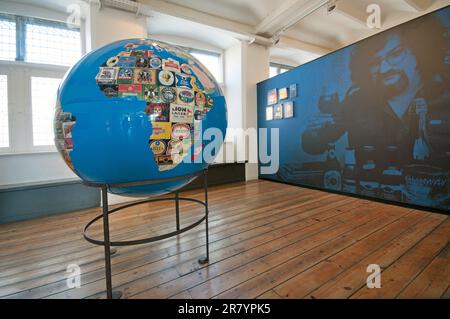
{"points": [[372, 119], [32, 201]]}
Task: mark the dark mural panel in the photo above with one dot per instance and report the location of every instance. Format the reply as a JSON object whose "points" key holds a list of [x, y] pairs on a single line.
{"points": [[373, 118]]}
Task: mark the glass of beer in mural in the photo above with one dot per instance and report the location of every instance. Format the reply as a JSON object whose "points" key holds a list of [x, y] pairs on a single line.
{"points": [[349, 174], [368, 184], [392, 176]]}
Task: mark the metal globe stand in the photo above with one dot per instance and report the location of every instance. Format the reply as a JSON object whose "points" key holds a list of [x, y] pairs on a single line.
{"points": [[107, 243]]}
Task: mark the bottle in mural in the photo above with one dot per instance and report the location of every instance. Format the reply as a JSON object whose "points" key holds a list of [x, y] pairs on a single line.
{"points": [[349, 175], [368, 184], [425, 183], [421, 150], [391, 187], [332, 178]]}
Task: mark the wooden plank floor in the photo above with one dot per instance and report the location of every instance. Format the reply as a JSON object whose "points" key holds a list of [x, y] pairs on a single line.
{"points": [[267, 240]]}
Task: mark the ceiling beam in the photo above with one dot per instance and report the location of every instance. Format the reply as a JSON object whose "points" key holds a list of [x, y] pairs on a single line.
{"points": [[189, 14], [238, 30], [286, 15], [352, 12], [419, 5]]}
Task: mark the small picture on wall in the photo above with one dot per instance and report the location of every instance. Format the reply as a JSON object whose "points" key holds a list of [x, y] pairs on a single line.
{"points": [[269, 113], [283, 94], [288, 110], [278, 112], [272, 97], [293, 91]]}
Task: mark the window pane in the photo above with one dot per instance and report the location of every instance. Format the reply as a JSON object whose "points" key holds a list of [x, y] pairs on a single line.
{"points": [[273, 71], [43, 99], [211, 62], [4, 129], [282, 70], [7, 40], [51, 45]]}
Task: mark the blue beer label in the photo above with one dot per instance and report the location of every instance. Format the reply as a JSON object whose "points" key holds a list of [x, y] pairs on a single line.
{"points": [[127, 62], [184, 81], [155, 63], [186, 97]]}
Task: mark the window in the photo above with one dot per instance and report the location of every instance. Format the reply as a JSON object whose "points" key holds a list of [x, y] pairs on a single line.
{"points": [[211, 61], [276, 69], [52, 45], [38, 41], [43, 99], [28, 84], [7, 39], [4, 127]]}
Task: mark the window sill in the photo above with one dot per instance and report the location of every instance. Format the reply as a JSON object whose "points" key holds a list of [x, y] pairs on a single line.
{"points": [[11, 153]]}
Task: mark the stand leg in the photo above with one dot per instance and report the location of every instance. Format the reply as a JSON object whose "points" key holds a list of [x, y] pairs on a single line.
{"points": [[205, 260], [109, 292], [177, 208]]}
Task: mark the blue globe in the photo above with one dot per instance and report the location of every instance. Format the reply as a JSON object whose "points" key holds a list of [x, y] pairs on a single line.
{"points": [[136, 110]]}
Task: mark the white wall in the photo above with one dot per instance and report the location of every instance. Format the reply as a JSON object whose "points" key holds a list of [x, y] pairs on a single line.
{"points": [[255, 69], [108, 25]]}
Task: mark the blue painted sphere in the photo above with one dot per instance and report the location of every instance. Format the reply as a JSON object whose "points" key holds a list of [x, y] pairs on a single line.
{"points": [[136, 110]]}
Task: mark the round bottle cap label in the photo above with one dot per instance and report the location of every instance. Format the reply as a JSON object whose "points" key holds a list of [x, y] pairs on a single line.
{"points": [[158, 147], [168, 94], [166, 77]]}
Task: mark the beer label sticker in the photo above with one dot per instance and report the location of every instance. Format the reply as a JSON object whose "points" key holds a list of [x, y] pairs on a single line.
{"points": [[107, 75], [168, 94], [185, 97], [127, 62], [124, 54], [144, 76], [161, 130], [125, 75], [181, 131], [175, 147], [181, 113], [200, 99], [158, 147], [154, 63], [141, 62], [112, 61], [158, 112], [151, 93], [185, 68], [171, 65], [130, 88], [166, 78], [184, 81], [110, 90]]}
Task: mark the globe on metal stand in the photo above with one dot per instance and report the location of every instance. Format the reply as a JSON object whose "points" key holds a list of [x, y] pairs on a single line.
{"points": [[107, 243]]}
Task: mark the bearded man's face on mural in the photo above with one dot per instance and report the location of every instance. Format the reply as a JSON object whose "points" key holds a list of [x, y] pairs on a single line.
{"points": [[394, 67]]}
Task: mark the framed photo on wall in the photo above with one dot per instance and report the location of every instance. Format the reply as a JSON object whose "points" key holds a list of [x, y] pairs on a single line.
{"points": [[288, 109], [293, 91], [269, 113], [283, 94], [278, 112], [272, 97]]}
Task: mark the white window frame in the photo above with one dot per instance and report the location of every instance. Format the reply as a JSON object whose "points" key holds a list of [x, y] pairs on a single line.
{"points": [[279, 66], [20, 119], [20, 104]]}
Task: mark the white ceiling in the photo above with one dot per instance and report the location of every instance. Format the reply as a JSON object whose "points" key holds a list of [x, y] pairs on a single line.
{"points": [[217, 23], [317, 33]]}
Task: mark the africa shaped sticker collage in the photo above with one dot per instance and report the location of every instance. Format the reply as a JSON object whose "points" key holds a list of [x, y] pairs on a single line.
{"points": [[175, 103], [63, 125]]}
